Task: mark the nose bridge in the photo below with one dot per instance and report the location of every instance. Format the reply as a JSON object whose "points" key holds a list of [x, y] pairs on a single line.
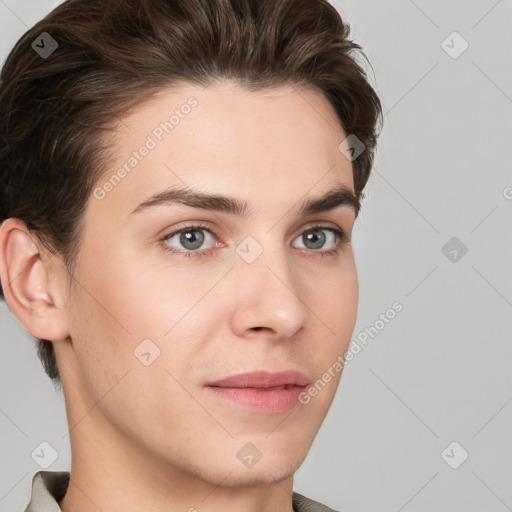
{"points": [[269, 290]]}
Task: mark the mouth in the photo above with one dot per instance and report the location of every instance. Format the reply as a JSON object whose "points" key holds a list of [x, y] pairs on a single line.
{"points": [[261, 391]]}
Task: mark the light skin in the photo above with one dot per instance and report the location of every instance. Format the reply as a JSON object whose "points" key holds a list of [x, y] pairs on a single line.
{"points": [[152, 437]]}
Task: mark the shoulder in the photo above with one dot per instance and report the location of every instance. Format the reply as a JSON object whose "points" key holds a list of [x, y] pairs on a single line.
{"points": [[303, 504]]}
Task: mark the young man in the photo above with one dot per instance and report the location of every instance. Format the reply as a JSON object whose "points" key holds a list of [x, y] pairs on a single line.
{"points": [[179, 184]]}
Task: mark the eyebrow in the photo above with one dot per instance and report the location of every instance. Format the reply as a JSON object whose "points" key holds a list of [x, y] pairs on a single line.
{"points": [[340, 196]]}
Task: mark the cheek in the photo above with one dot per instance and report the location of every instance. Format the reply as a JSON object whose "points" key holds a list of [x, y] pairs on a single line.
{"points": [[124, 302], [132, 298], [114, 316], [334, 312], [336, 301]]}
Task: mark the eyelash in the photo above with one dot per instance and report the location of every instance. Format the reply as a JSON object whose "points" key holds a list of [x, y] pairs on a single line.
{"points": [[340, 235]]}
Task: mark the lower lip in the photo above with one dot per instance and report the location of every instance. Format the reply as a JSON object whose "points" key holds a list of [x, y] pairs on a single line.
{"points": [[261, 400]]}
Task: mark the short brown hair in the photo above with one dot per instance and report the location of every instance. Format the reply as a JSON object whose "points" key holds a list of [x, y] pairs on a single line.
{"points": [[57, 110]]}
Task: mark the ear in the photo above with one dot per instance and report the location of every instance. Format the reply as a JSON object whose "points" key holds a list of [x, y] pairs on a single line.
{"points": [[33, 298]]}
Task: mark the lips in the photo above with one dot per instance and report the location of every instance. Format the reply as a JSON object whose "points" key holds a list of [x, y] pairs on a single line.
{"points": [[263, 380], [261, 391]]}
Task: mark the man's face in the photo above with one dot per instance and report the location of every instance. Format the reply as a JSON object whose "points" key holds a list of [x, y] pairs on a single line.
{"points": [[241, 294]]}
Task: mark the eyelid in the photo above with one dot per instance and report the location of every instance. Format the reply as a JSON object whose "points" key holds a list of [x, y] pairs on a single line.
{"points": [[343, 237], [194, 224], [189, 226]]}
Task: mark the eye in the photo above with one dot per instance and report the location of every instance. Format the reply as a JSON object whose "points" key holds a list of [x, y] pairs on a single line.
{"points": [[192, 237], [315, 239]]}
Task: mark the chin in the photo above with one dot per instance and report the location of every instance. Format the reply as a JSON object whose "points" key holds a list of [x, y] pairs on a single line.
{"points": [[274, 466], [259, 475]]}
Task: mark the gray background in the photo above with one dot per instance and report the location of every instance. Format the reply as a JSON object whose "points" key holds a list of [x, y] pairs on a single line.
{"points": [[440, 370]]}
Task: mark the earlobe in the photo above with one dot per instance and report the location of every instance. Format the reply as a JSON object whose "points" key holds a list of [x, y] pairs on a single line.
{"points": [[24, 277]]}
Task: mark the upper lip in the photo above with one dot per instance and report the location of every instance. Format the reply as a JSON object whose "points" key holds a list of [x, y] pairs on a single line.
{"points": [[262, 379]]}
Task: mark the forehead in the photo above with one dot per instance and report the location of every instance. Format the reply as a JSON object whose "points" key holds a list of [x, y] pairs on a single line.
{"points": [[261, 146]]}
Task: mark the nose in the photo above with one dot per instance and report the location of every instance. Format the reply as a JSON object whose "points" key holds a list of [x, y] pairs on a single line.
{"points": [[269, 297]]}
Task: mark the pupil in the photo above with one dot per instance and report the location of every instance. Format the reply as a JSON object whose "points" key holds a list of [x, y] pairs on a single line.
{"points": [[320, 239], [189, 237]]}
